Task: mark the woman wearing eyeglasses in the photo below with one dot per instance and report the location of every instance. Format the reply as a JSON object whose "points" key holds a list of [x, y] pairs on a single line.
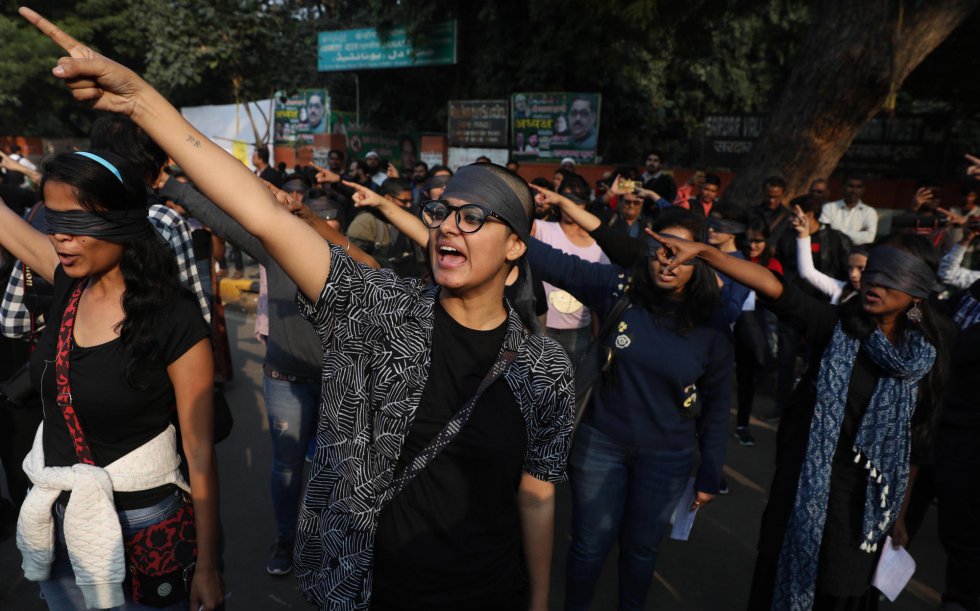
{"points": [[634, 449], [426, 491]]}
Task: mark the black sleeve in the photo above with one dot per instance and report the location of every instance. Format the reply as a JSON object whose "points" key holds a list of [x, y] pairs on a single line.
{"points": [[216, 219], [810, 316], [181, 328], [621, 249]]}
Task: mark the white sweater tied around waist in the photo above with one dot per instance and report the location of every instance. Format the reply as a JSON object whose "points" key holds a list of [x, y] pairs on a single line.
{"points": [[92, 530]]}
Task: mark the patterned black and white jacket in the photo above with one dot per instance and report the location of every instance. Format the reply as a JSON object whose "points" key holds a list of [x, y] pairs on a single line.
{"points": [[376, 331]]}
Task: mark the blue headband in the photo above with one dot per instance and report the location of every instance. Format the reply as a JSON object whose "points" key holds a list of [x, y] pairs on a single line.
{"points": [[101, 162]]}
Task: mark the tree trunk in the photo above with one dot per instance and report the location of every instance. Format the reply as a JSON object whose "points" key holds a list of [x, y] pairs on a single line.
{"points": [[855, 54]]}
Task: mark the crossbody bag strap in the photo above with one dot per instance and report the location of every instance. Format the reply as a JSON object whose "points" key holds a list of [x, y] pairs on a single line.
{"points": [[449, 431], [61, 368], [594, 371], [30, 294]]}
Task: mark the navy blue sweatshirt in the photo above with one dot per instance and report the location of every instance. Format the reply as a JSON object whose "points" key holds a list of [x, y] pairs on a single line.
{"points": [[653, 368]]}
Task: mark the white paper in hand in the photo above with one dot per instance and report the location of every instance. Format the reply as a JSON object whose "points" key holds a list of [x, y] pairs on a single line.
{"points": [[895, 568], [683, 518]]}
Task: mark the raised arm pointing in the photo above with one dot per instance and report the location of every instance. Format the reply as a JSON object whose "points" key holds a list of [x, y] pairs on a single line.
{"points": [[109, 86]]}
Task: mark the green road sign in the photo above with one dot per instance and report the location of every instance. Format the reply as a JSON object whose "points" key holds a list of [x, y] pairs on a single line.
{"points": [[364, 49]]}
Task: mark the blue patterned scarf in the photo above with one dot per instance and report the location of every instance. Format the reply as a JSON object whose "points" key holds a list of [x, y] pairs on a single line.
{"points": [[882, 444]]}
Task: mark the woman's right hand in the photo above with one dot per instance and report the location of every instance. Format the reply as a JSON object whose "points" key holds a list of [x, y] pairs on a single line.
{"points": [[366, 198], [91, 77], [546, 196], [676, 251], [207, 589], [324, 175]]}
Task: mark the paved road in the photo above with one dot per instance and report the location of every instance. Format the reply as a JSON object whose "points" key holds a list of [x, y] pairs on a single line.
{"points": [[709, 572]]}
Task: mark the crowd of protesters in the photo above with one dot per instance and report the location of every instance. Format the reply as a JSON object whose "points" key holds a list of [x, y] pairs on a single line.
{"points": [[445, 347]]}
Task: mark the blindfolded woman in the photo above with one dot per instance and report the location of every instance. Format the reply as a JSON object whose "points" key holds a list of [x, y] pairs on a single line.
{"points": [[844, 445], [125, 348], [444, 422]]}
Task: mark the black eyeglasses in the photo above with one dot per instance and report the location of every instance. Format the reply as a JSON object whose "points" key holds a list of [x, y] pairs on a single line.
{"points": [[469, 217]]}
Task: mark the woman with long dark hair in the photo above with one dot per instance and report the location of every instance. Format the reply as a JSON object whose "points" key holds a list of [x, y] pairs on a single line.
{"points": [[635, 447], [125, 351], [425, 390], [844, 443]]}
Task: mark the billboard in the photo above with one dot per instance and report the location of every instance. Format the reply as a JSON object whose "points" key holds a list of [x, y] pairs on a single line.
{"points": [[365, 49], [887, 147], [550, 126], [400, 149], [478, 123], [459, 157], [300, 115]]}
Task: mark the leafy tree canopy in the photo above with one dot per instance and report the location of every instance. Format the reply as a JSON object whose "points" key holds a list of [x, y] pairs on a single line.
{"points": [[661, 66]]}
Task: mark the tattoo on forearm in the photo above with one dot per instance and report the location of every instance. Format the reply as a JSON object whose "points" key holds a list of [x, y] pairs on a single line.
{"points": [[194, 141]]}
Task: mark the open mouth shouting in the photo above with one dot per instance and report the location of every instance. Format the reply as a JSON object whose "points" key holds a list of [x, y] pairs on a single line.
{"points": [[449, 256]]}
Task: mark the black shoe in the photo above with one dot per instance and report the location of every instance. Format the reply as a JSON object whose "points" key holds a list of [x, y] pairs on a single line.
{"points": [[723, 488], [281, 562], [744, 436]]}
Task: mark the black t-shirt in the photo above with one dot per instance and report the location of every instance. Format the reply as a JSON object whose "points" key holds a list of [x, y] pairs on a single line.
{"points": [[115, 416], [451, 539]]}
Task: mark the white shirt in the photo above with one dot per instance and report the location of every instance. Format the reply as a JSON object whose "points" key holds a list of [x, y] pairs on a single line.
{"points": [[951, 270], [832, 287], [24, 161], [859, 223]]}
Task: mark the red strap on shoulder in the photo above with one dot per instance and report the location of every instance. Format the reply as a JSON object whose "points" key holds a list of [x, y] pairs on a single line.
{"points": [[61, 368]]}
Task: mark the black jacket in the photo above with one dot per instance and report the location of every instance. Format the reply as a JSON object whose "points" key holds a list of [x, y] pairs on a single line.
{"points": [[830, 250]]}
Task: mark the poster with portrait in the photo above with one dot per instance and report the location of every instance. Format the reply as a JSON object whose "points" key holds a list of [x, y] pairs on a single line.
{"points": [[301, 115], [551, 126]]}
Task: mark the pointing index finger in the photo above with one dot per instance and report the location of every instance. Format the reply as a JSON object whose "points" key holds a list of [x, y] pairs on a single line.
{"points": [[357, 187], [59, 36]]}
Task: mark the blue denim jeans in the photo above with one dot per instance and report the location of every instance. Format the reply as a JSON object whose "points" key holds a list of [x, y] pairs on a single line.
{"points": [[292, 409], [60, 591], [625, 493]]}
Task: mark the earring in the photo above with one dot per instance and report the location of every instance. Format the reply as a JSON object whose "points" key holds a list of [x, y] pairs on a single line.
{"points": [[914, 314]]}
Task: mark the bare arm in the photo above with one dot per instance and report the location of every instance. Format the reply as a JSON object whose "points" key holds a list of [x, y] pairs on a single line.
{"points": [[27, 244], [300, 251], [10, 164], [536, 503], [758, 278], [322, 227], [582, 217], [402, 219], [192, 376]]}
